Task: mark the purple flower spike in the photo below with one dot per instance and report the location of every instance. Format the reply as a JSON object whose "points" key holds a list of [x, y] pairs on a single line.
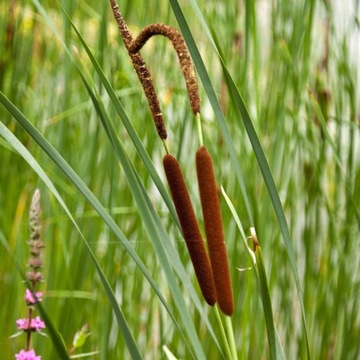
{"points": [[27, 355]]}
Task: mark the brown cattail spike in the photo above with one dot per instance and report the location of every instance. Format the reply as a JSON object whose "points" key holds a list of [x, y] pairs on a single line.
{"points": [[190, 228], [182, 52], [214, 230], [142, 73]]}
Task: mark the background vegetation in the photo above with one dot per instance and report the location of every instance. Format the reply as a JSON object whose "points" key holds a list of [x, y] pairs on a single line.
{"points": [[295, 64]]}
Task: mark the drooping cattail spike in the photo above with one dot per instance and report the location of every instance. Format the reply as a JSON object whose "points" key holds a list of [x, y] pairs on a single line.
{"points": [[214, 230], [182, 51], [142, 73], [190, 228]]}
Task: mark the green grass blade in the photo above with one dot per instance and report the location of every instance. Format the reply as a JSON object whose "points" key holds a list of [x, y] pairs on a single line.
{"points": [[55, 336], [274, 195], [276, 350], [266, 301]]}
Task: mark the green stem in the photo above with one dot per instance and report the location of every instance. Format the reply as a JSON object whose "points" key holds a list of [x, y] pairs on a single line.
{"points": [[231, 337], [198, 121], [223, 334]]}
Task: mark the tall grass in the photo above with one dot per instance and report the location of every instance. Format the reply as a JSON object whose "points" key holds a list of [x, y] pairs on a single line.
{"points": [[278, 79]]}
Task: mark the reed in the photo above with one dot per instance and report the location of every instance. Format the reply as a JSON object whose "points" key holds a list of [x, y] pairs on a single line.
{"points": [[190, 228], [214, 230]]}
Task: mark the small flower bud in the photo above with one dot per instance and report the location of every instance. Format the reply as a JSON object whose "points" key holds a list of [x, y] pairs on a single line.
{"points": [[35, 262], [31, 297], [34, 276]]}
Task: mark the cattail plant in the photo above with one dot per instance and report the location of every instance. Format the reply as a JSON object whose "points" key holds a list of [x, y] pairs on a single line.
{"points": [[214, 230], [180, 194], [32, 324]]}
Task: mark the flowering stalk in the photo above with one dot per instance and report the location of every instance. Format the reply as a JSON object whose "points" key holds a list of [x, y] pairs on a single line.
{"points": [[32, 324]]}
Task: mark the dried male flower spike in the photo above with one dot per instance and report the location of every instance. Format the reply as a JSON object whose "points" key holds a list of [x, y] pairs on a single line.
{"points": [[134, 47], [182, 51], [142, 73], [190, 228], [214, 230]]}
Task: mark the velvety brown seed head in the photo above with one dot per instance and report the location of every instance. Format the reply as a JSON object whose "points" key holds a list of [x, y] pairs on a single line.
{"points": [[214, 230], [190, 228], [182, 52]]}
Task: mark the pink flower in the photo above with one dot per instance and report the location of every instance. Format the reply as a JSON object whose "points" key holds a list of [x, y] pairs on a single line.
{"points": [[27, 355], [36, 324], [30, 298]]}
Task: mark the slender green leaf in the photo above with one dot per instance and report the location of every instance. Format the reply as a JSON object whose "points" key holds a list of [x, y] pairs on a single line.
{"points": [[266, 301]]}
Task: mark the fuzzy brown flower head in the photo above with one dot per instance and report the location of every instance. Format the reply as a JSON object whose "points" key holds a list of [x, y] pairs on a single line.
{"points": [[214, 230]]}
